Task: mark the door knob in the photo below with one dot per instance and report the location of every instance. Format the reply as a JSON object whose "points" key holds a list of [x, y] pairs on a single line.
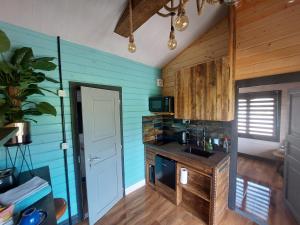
{"points": [[92, 159]]}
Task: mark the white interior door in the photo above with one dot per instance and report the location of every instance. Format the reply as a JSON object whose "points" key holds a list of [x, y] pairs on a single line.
{"points": [[102, 150], [292, 157]]}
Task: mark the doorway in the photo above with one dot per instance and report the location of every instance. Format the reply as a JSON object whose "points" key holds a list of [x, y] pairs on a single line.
{"points": [[262, 128], [97, 151]]}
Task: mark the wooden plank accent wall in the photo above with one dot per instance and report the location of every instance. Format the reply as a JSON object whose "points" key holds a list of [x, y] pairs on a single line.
{"points": [[268, 38], [212, 45], [205, 91]]}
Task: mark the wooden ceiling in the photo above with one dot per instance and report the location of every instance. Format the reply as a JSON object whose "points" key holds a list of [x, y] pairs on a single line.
{"points": [[142, 10]]}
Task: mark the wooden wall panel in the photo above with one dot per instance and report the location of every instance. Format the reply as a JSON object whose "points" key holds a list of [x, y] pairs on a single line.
{"points": [[205, 92], [212, 45], [268, 38]]}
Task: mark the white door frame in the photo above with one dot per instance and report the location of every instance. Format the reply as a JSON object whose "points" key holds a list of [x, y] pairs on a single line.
{"points": [[74, 86]]}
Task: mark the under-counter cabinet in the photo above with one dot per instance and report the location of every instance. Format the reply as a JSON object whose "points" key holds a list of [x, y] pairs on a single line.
{"points": [[206, 193], [205, 92]]}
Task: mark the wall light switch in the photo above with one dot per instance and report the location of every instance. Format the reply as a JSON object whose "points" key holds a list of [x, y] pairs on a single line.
{"points": [[61, 93], [159, 82], [64, 146]]}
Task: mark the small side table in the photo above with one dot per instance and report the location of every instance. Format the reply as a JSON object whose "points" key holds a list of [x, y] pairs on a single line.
{"points": [[23, 149], [279, 155], [47, 202]]}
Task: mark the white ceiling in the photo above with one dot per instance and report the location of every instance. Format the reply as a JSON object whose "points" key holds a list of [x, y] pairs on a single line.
{"points": [[92, 22]]}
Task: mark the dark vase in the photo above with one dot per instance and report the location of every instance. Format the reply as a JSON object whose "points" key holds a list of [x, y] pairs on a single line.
{"points": [[23, 135]]}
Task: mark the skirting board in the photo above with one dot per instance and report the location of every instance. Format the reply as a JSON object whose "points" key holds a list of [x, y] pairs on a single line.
{"points": [[134, 187]]}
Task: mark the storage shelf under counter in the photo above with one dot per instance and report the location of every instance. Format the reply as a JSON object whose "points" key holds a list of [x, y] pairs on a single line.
{"points": [[206, 193]]}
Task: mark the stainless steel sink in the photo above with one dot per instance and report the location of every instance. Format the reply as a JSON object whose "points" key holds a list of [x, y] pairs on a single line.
{"points": [[198, 151]]}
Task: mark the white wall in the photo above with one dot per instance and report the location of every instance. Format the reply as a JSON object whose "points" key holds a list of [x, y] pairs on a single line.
{"points": [[264, 148]]}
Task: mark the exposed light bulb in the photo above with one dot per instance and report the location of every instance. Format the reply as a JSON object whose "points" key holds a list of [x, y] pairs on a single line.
{"points": [[131, 45], [232, 2], [172, 43], [181, 22]]}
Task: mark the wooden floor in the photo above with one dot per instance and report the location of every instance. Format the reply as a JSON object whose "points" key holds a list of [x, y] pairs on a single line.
{"points": [[260, 192], [260, 171], [147, 207]]}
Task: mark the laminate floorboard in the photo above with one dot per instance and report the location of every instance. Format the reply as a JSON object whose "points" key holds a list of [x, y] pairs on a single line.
{"points": [[146, 207], [260, 192]]}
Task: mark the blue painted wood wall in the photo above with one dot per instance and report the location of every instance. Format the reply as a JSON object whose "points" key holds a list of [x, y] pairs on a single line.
{"points": [[83, 64]]}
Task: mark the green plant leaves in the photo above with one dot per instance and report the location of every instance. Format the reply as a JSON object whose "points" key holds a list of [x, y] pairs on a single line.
{"points": [[24, 72], [5, 67], [30, 90], [44, 89], [51, 80], [2, 102], [4, 42], [43, 63], [22, 56], [32, 112], [46, 108]]}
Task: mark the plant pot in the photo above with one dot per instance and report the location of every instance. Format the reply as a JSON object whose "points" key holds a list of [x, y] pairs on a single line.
{"points": [[23, 135]]}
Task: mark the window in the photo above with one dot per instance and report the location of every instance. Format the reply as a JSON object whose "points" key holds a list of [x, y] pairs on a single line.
{"points": [[259, 115]]}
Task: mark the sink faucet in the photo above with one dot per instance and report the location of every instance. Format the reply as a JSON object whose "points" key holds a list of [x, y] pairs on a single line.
{"points": [[204, 139], [198, 138]]}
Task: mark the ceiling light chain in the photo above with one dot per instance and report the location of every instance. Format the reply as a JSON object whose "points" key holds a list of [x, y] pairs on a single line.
{"points": [[212, 2], [181, 22], [172, 43], [131, 44], [200, 4]]}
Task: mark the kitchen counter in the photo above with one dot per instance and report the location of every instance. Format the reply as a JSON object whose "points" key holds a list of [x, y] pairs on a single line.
{"points": [[176, 152], [205, 192]]}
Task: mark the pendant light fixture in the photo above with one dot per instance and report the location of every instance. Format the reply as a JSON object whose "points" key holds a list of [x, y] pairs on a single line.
{"points": [[182, 21], [131, 44], [172, 43]]}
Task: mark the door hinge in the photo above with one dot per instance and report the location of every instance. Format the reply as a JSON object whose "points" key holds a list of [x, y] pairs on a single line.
{"points": [[79, 160]]}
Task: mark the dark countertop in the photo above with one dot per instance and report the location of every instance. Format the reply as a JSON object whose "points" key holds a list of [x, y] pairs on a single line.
{"points": [[176, 152]]}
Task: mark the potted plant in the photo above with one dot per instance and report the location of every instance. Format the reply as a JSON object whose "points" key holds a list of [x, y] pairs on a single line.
{"points": [[20, 75]]}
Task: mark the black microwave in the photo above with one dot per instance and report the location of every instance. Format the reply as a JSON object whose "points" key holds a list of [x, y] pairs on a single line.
{"points": [[161, 104]]}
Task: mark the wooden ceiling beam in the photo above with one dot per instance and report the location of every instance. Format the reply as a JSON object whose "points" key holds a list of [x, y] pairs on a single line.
{"points": [[142, 10]]}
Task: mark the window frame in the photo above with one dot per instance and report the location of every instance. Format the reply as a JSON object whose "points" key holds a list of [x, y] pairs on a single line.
{"points": [[276, 94]]}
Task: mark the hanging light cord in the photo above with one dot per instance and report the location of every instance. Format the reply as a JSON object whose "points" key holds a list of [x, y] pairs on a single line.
{"points": [[200, 4], [172, 16], [130, 19]]}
